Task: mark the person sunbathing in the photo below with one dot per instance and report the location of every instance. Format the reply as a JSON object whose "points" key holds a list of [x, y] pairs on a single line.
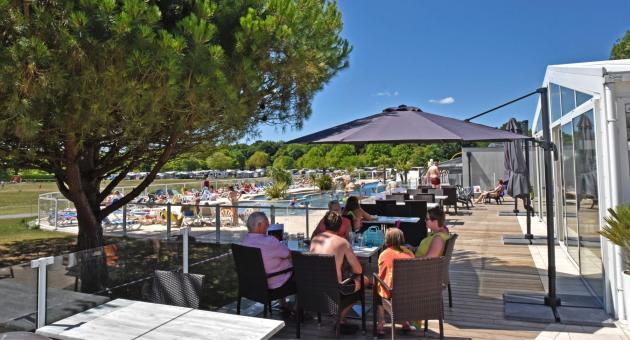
{"points": [[494, 193]]}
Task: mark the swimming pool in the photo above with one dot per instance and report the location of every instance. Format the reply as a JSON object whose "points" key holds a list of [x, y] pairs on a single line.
{"points": [[317, 199]]}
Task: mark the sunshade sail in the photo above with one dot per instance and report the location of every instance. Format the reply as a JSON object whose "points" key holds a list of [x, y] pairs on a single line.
{"points": [[408, 124]]}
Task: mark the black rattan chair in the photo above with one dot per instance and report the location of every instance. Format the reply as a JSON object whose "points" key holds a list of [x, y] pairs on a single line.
{"points": [[381, 206], [465, 196], [416, 293], [429, 198], [319, 289], [448, 254], [252, 278], [370, 208], [176, 288], [398, 197], [451, 197]]}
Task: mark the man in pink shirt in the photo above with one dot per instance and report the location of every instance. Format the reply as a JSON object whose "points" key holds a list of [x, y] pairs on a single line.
{"points": [[276, 256]]}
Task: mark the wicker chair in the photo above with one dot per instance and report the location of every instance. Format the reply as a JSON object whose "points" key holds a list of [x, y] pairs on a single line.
{"points": [[429, 198], [398, 197], [381, 206], [318, 289], [448, 254], [465, 196], [176, 288], [252, 278], [416, 294], [451, 197]]}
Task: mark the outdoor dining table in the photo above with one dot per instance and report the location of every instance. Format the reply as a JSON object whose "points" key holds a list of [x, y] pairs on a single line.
{"points": [[390, 220], [126, 319], [359, 251]]}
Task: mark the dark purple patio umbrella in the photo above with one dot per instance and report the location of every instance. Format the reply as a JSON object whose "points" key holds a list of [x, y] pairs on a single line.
{"points": [[515, 165], [408, 124]]}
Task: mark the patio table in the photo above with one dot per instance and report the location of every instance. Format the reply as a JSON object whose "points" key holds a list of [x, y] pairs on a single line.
{"points": [[126, 319], [359, 251], [393, 219]]}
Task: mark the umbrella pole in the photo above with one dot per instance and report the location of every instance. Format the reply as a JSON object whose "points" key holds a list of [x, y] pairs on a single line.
{"points": [[551, 299], [527, 200]]}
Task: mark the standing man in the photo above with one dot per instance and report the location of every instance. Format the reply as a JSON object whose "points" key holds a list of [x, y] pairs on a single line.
{"points": [[434, 175]]}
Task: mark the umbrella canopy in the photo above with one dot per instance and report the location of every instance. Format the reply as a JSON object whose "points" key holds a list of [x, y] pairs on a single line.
{"points": [[515, 165], [408, 124]]}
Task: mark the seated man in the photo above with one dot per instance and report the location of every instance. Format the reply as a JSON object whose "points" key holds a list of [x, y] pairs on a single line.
{"points": [[346, 224], [349, 270], [276, 256]]}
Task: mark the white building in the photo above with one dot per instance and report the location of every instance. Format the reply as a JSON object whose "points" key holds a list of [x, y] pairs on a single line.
{"points": [[590, 126]]}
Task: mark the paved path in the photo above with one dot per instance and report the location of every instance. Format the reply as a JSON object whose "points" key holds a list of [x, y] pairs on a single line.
{"points": [[11, 216]]}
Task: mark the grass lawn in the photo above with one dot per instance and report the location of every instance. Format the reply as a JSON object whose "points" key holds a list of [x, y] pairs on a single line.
{"points": [[19, 244], [22, 198]]}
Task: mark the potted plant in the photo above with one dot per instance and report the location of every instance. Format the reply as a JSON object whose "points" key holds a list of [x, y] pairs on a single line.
{"points": [[617, 231]]}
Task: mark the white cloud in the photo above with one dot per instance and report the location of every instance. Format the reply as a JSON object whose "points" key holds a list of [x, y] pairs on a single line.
{"points": [[443, 101], [387, 94]]}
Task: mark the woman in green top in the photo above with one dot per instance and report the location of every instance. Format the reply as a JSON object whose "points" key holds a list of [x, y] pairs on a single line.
{"points": [[433, 245]]}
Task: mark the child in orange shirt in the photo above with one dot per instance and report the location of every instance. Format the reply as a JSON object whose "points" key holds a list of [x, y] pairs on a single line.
{"points": [[394, 241]]}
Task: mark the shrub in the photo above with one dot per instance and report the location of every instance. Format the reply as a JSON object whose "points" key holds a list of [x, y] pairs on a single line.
{"points": [[324, 182], [278, 190], [617, 229], [280, 176]]}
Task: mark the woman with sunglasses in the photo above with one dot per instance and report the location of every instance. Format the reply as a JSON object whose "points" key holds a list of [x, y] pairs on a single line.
{"points": [[433, 245]]}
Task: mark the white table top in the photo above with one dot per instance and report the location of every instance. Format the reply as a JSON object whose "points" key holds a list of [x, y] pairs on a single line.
{"points": [[393, 220], [365, 252], [126, 319], [440, 197]]}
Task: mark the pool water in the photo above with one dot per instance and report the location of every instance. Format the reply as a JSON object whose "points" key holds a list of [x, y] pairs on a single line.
{"points": [[320, 200]]}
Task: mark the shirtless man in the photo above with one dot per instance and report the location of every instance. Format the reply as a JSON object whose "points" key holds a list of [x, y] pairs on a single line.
{"points": [[434, 174], [349, 268]]}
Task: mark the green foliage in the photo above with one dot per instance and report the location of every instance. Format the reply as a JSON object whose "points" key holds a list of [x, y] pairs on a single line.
{"points": [[284, 162], [277, 190], [258, 160], [89, 88], [324, 182], [617, 229], [278, 175], [377, 154], [220, 160], [621, 48], [313, 158]]}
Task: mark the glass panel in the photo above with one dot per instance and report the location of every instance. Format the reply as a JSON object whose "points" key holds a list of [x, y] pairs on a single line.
{"points": [[570, 197], [538, 125], [18, 296], [554, 102], [568, 100], [587, 204], [581, 98]]}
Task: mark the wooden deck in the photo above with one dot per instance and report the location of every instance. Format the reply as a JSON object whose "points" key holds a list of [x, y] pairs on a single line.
{"points": [[481, 271]]}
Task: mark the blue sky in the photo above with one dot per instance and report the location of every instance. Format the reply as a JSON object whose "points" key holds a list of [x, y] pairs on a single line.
{"points": [[470, 55]]}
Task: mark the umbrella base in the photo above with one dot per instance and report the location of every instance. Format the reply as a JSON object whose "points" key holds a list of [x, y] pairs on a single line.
{"points": [[574, 309]]}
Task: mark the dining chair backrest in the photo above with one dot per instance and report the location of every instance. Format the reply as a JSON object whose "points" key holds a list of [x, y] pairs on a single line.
{"points": [[417, 285], [396, 210], [382, 204], [399, 197], [424, 189], [448, 255], [370, 208], [429, 198], [416, 208], [451, 193], [317, 283], [412, 192], [250, 270], [414, 233], [177, 288]]}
